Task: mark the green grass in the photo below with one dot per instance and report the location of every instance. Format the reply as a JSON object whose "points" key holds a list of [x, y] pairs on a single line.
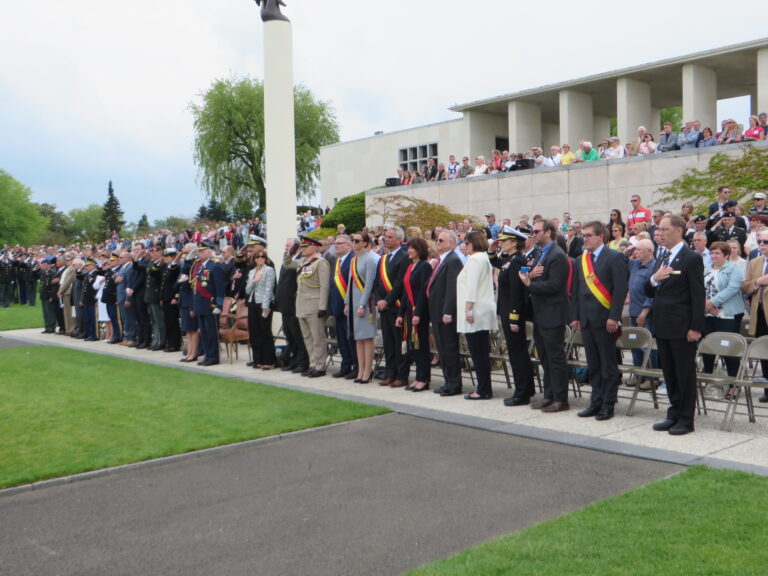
{"points": [[64, 412], [701, 522], [17, 317]]}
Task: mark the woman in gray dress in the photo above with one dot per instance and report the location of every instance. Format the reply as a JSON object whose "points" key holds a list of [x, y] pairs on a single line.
{"points": [[360, 309]]}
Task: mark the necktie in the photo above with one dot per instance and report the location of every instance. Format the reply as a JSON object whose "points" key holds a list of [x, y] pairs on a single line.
{"points": [[429, 284], [593, 258], [667, 257]]}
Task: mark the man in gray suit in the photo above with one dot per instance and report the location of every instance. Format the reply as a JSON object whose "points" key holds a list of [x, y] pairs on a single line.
{"points": [[441, 296], [600, 284]]}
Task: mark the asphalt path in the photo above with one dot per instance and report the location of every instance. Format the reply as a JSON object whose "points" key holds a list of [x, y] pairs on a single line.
{"points": [[376, 496]]}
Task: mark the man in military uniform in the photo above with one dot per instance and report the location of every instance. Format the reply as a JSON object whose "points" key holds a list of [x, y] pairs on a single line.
{"points": [[109, 296], [6, 279], [134, 293], [48, 296], [312, 301], [152, 297], [88, 299], [169, 300], [208, 289]]}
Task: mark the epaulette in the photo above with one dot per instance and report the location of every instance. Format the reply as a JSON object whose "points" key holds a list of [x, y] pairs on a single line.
{"points": [[217, 259]]}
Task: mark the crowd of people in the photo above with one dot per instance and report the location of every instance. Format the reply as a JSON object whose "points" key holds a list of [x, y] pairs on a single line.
{"points": [[691, 135], [422, 289]]}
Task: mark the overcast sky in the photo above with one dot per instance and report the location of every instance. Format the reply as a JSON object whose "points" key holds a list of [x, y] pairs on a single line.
{"points": [[92, 91]]}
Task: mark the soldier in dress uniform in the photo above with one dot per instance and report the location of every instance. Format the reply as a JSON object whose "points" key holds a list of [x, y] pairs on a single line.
{"points": [[109, 297], [169, 300], [88, 299], [48, 296], [312, 301], [207, 278], [152, 297]]}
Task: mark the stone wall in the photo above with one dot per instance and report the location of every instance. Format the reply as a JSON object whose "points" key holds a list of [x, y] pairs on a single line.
{"points": [[587, 191]]}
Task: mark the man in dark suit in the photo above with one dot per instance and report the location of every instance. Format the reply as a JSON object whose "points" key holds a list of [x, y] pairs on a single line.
{"points": [[441, 296], [135, 296], [722, 204], [600, 284], [677, 287], [209, 285], [386, 290], [295, 357], [336, 298], [548, 284]]}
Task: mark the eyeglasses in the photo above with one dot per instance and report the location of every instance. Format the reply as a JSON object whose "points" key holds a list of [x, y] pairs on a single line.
{"points": [[634, 200], [539, 230], [763, 242], [357, 240], [260, 257], [441, 240]]}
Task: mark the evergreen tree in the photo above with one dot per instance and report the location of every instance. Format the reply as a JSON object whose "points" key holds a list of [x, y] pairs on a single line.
{"points": [[112, 216], [143, 225]]}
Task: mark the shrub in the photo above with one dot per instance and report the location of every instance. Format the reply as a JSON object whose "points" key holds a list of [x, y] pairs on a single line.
{"points": [[349, 211]]}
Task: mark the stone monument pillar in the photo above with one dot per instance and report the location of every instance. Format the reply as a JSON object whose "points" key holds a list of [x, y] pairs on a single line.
{"points": [[279, 132]]}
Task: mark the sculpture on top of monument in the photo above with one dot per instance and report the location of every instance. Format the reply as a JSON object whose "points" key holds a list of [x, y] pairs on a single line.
{"points": [[270, 10]]}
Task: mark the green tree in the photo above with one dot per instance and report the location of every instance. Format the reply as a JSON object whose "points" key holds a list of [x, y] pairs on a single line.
{"points": [[745, 173], [142, 226], [86, 223], [673, 115], [173, 223], [229, 141], [59, 229], [402, 210], [112, 216], [349, 211], [20, 220]]}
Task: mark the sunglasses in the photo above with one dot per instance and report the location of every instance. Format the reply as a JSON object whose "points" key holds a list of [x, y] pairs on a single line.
{"points": [[763, 242], [260, 257], [357, 240]]}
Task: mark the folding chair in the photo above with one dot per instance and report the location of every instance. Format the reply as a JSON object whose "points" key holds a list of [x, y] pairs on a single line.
{"points": [[720, 345], [757, 351], [653, 374]]}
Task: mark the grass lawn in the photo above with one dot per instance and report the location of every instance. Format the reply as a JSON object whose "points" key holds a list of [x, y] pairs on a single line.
{"points": [[17, 317], [65, 411], [701, 522]]}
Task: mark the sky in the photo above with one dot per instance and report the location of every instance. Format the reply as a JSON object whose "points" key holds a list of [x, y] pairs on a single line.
{"points": [[98, 90]]}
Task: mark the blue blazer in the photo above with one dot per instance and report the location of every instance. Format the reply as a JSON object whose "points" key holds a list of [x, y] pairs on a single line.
{"points": [[335, 301]]}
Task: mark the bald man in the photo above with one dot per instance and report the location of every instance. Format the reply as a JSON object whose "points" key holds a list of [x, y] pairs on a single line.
{"points": [[640, 305]]}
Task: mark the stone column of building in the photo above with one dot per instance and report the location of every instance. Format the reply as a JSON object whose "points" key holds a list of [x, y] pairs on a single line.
{"points": [[700, 94], [576, 117], [654, 127], [279, 133], [601, 128], [524, 125], [633, 107], [762, 80]]}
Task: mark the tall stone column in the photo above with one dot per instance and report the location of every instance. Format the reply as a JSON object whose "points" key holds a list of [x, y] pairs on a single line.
{"points": [[762, 80], [633, 107], [524, 125], [700, 95], [601, 128], [576, 121], [279, 134]]}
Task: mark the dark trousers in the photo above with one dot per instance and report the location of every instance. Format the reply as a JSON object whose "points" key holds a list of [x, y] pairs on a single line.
{"points": [[22, 292], [260, 335], [604, 376], [347, 347], [129, 322], [396, 363], [158, 324], [678, 363], [297, 352], [89, 311], [172, 321], [550, 343], [520, 360], [421, 356], [714, 324], [209, 337], [761, 329], [143, 325], [31, 291], [480, 348], [49, 315], [447, 340], [113, 318]]}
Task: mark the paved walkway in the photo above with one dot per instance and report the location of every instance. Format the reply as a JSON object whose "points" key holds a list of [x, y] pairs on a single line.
{"points": [[745, 448]]}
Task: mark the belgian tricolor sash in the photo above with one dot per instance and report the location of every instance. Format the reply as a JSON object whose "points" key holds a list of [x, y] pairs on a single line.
{"points": [[341, 282], [597, 288], [385, 277], [356, 277]]}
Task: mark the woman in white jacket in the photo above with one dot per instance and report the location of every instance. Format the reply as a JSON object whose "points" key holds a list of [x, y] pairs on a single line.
{"points": [[476, 310]]}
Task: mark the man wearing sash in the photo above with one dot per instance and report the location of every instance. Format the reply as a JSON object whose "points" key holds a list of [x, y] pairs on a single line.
{"points": [[387, 287], [208, 285], [336, 299], [600, 284]]}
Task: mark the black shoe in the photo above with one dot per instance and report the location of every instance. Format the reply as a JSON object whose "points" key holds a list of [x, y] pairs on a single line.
{"points": [[351, 376], [590, 411], [156, 348], [208, 363], [300, 370], [361, 381], [172, 350], [113, 341], [249, 364], [420, 389], [439, 390], [340, 374], [449, 392], [91, 339], [478, 397], [606, 413], [664, 425], [316, 374], [680, 430], [288, 368], [517, 401], [307, 372]]}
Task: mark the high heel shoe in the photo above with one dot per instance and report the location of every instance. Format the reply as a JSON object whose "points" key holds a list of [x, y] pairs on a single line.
{"points": [[425, 387], [361, 381]]}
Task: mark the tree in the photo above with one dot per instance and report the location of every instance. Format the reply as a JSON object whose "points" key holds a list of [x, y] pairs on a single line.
{"points": [[349, 211], [142, 227], [112, 216], [173, 223], [59, 229], [745, 173], [86, 223], [229, 141], [673, 115], [20, 221], [404, 211]]}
